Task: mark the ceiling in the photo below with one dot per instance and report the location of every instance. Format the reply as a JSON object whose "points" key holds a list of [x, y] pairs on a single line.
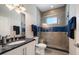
{"points": [[46, 7]]}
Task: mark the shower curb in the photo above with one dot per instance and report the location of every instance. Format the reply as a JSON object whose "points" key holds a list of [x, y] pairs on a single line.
{"points": [[58, 49]]}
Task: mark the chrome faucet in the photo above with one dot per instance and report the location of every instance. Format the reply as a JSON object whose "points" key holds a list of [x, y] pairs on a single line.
{"points": [[4, 39]]}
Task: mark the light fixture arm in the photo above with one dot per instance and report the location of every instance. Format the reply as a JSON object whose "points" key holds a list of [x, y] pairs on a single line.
{"points": [[18, 8]]}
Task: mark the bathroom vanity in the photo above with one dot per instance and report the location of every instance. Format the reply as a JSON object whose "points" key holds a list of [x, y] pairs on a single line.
{"points": [[11, 29], [25, 48]]}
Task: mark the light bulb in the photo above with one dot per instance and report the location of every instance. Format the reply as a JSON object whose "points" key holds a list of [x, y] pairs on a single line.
{"points": [[17, 10], [10, 7]]}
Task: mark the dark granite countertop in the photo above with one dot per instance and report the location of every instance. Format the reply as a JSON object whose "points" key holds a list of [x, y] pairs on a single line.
{"points": [[7, 48]]}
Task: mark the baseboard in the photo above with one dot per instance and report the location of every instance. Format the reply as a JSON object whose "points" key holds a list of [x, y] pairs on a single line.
{"points": [[58, 49]]}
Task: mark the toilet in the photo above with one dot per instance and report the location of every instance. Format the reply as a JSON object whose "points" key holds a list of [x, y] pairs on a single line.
{"points": [[40, 47]]}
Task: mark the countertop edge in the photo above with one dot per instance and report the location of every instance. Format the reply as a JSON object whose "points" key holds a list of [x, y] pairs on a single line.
{"points": [[16, 47]]}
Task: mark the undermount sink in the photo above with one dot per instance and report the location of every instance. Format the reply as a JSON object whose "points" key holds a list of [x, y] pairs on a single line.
{"points": [[17, 42]]}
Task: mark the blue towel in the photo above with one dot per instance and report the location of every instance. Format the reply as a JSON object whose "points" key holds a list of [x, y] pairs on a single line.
{"points": [[34, 29], [71, 27]]}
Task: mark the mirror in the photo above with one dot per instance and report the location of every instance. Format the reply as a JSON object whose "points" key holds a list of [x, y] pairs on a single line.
{"points": [[22, 24], [11, 23]]}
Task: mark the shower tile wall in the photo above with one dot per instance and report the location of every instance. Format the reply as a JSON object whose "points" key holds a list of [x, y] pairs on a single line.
{"points": [[55, 39]]}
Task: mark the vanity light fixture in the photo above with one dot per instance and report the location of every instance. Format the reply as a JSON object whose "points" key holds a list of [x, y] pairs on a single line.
{"points": [[17, 7], [10, 7]]}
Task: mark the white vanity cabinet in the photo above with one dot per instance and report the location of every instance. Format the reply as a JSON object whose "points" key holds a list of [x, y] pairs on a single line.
{"points": [[16, 51], [31, 48], [27, 49]]}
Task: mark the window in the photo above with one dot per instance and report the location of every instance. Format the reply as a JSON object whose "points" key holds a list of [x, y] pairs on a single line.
{"points": [[51, 20]]}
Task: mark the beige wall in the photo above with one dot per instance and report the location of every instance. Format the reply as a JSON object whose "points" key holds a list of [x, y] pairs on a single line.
{"points": [[55, 39], [74, 11], [32, 17], [77, 30]]}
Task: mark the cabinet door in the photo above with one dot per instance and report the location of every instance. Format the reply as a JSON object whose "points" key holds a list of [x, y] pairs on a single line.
{"points": [[25, 49], [17, 51], [31, 48]]}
